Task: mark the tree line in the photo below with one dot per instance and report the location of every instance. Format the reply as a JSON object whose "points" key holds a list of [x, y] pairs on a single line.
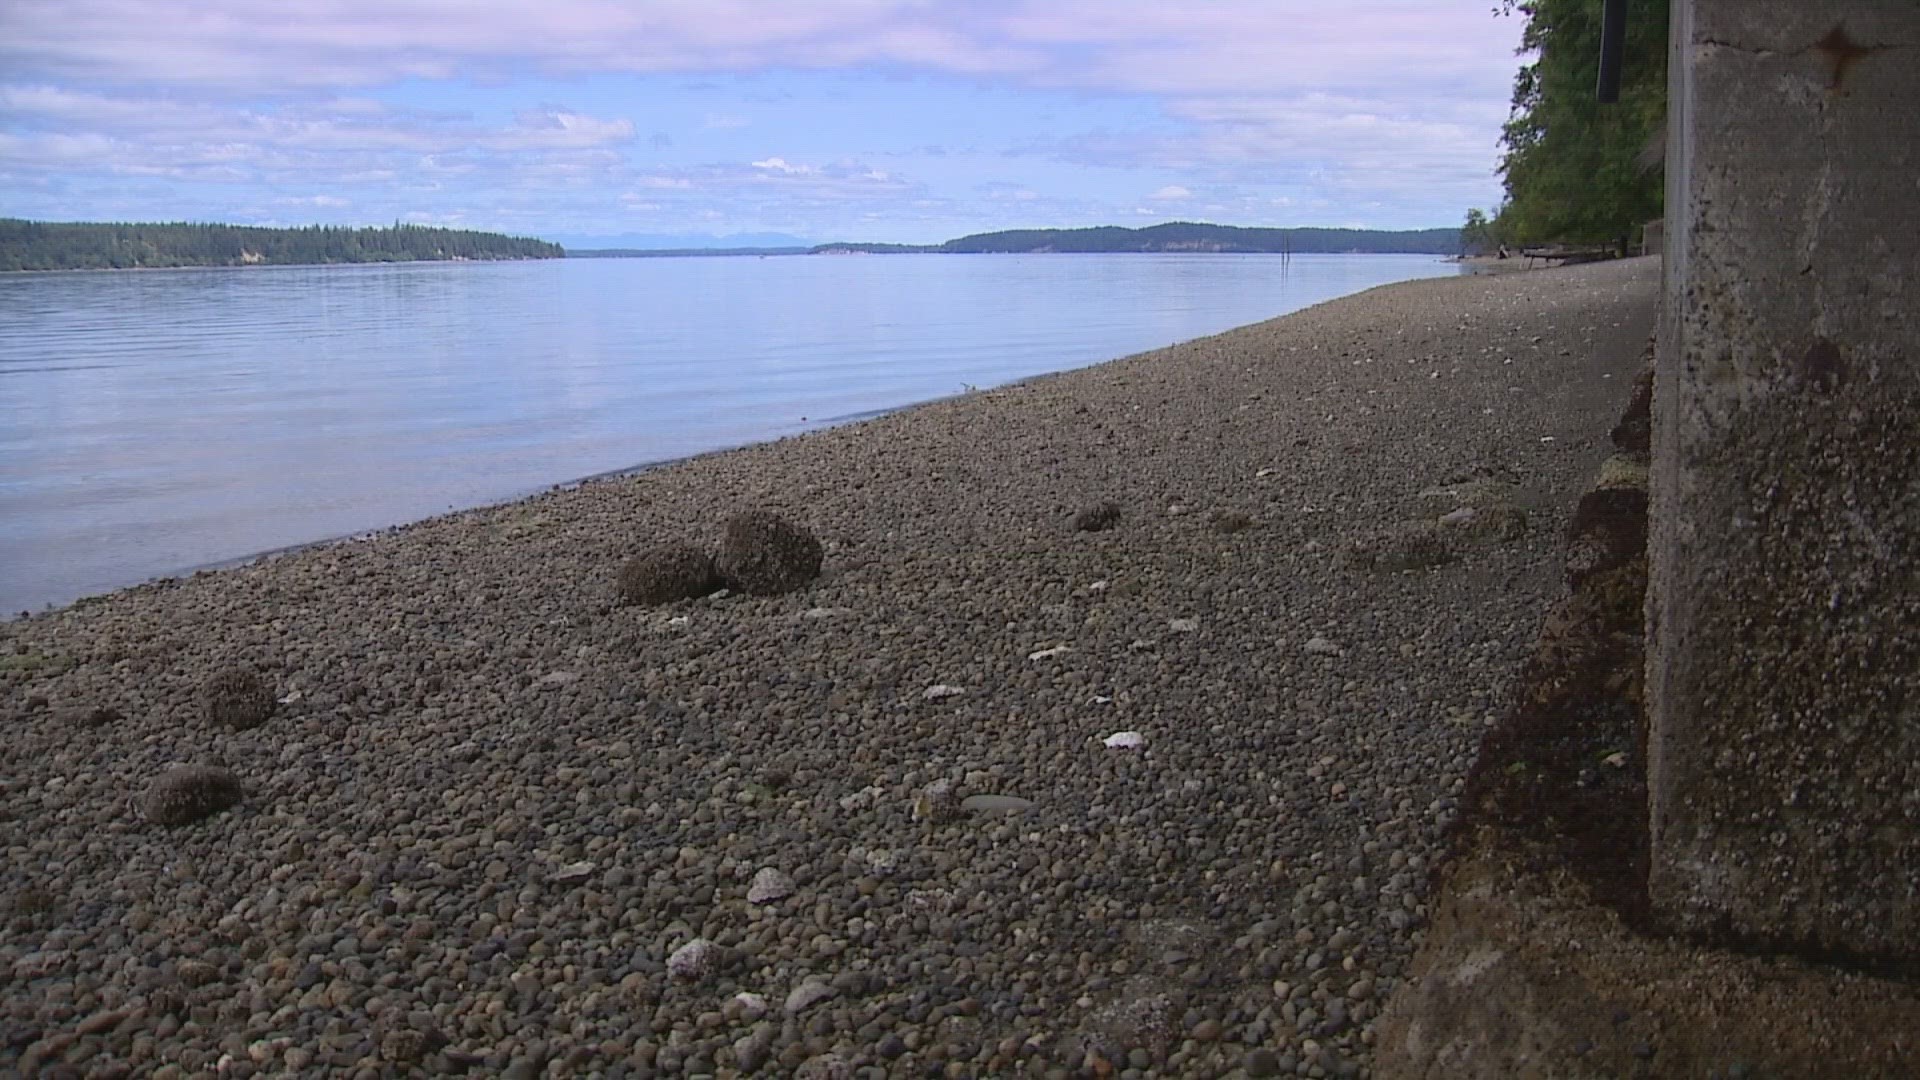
{"points": [[1575, 170], [36, 245]]}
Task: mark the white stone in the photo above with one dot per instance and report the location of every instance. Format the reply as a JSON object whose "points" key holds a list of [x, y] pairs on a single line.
{"points": [[1320, 646], [941, 690], [1184, 626], [692, 960], [807, 995], [572, 872], [769, 884], [1124, 740], [1047, 654]]}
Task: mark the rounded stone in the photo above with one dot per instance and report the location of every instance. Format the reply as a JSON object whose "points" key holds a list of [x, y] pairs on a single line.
{"points": [[187, 793], [770, 884], [1261, 1062], [667, 572], [692, 960], [1097, 517], [764, 554], [237, 698]]}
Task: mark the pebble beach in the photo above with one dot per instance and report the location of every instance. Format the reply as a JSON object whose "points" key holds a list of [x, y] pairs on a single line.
{"points": [[995, 795]]}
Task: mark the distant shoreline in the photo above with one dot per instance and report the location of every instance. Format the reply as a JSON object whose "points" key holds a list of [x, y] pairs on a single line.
{"points": [[84, 245], [32, 246], [266, 266], [694, 253]]}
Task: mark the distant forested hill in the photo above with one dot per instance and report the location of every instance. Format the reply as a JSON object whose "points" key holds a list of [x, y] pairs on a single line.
{"points": [[1192, 236], [1186, 236], [33, 245]]}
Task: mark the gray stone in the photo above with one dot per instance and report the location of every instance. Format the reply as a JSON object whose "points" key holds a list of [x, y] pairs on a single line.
{"points": [[187, 793], [806, 995], [763, 553], [995, 804], [769, 885]]}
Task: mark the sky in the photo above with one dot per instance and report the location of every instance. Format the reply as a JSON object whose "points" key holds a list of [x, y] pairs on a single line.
{"points": [[598, 121]]}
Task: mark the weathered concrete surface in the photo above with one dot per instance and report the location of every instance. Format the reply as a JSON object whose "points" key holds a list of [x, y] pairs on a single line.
{"points": [[1533, 966], [1784, 681], [1524, 976]]}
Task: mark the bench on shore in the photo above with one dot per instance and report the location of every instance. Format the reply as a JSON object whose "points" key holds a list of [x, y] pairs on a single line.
{"points": [[1567, 256]]}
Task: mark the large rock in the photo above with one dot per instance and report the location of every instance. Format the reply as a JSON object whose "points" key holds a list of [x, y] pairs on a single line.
{"points": [[187, 793], [1413, 546], [667, 572], [763, 553], [1097, 517], [237, 698]]}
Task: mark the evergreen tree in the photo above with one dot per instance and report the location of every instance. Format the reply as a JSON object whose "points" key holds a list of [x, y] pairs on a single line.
{"points": [[1570, 167], [32, 245]]}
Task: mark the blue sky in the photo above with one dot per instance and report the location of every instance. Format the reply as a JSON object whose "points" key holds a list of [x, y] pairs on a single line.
{"points": [[888, 120]]}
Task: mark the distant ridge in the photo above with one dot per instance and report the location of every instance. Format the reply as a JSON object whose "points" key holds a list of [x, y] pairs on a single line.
{"points": [[708, 242], [1182, 236], [77, 245]]}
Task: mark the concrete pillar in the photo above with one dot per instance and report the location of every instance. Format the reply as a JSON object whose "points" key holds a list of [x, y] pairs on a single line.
{"points": [[1784, 660]]}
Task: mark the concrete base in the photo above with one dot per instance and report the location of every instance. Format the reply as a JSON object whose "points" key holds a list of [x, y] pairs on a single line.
{"points": [[1523, 976], [1785, 662], [1543, 959]]}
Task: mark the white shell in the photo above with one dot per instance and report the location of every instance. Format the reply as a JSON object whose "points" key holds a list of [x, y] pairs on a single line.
{"points": [[1125, 740], [940, 691]]}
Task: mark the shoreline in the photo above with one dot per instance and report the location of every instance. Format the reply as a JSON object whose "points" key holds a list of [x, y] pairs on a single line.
{"points": [[493, 802], [275, 266], [167, 581], [161, 577]]}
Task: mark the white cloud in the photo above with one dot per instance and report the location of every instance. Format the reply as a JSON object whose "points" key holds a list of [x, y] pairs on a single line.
{"points": [[561, 129], [1261, 104], [780, 167], [1130, 46]]}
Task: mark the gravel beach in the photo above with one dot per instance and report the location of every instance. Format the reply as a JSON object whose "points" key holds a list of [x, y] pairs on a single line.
{"points": [[496, 821]]}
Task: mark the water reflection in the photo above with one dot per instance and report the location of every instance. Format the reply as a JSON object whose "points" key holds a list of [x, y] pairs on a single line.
{"points": [[153, 421]]}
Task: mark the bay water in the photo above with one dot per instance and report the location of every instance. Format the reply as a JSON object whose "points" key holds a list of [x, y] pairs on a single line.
{"points": [[154, 422]]}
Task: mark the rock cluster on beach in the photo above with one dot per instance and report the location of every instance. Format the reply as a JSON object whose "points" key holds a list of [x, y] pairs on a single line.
{"points": [[500, 821]]}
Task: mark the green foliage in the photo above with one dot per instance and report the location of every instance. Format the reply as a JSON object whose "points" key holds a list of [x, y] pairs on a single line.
{"points": [[1570, 167], [35, 245], [1476, 236]]}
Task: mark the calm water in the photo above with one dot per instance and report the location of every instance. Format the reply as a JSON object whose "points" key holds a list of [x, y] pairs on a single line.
{"points": [[154, 422]]}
